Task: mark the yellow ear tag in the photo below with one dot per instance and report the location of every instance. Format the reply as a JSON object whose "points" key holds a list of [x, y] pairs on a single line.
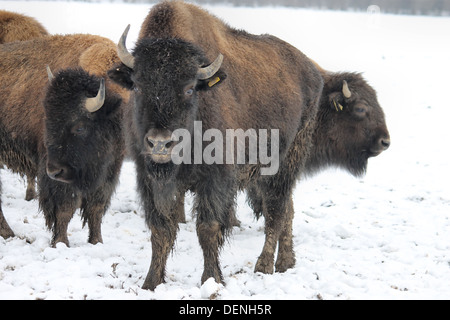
{"points": [[213, 82], [335, 105]]}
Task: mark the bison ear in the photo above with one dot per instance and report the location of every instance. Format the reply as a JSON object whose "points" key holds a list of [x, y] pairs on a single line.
{"points": [[336, 101], [212, 82], [121, 74]]}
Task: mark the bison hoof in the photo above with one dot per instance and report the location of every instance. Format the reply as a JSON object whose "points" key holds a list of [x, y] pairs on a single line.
{"points": [[264, 266], [285, 263], [94, 241], [151, 284]]}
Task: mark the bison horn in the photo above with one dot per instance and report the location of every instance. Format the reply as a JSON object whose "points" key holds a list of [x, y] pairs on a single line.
{"points": [[209, 71], [346, 91], [124, 55], [49, 74], [94, 104]]}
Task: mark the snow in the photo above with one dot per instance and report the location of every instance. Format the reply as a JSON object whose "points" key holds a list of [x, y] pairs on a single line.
{"points": [[384, 236]]}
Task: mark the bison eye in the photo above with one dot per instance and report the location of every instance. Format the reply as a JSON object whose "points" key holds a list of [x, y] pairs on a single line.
{"points": [[360, 110], [79, 130], [189, 92]]}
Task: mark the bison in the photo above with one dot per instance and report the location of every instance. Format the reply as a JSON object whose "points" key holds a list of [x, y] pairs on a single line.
{"points": [[348, 129], [18, 27], [176, 86], [59, 131]]}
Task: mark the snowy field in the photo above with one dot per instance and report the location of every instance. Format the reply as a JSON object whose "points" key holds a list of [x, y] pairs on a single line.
{"points": [[384, 236]]}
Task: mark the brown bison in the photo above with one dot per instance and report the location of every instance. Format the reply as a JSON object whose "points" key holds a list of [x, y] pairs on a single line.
{"points": [[349, 127], [178, 88], [59, 131], [18, 27]]}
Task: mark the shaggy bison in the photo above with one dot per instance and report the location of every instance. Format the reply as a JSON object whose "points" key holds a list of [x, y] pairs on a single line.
{"points": [[176, 87], [59, 131]]}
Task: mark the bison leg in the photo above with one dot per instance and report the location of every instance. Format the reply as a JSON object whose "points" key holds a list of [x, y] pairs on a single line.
{"points": [[265, 260], [163, 238], [60, 227], [286, 255], [93, 214], [58, 202], [210, 238], [214, 205], [275, 193], [93, 209]]}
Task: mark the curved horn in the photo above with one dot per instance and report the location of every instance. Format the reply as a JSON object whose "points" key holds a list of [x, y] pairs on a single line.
{"points": [[94, 104], [345, 90], [209, 71], [49, 74], [122, 51]]}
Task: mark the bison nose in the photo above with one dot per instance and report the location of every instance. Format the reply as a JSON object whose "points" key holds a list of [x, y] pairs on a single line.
{"points": [[159, 145], [58, 172], [384, 143]]}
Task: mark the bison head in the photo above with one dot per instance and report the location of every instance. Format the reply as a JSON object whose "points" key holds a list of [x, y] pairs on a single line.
{"points": [[166, 76], [81, 129], [351, 125]]}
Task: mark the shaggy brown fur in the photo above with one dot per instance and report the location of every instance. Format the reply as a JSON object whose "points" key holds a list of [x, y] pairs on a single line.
{"points": [[23, 86], [18, 27]]}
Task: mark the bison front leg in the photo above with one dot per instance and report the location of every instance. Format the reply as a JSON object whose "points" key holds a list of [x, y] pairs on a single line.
{"points": [[92, 214], [214, 203], [163, 238], [211, 238], [58, 202], [60, 226]]}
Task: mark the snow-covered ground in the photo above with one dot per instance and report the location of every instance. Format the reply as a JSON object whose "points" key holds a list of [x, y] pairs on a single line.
{"points": [[384, 236]]}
